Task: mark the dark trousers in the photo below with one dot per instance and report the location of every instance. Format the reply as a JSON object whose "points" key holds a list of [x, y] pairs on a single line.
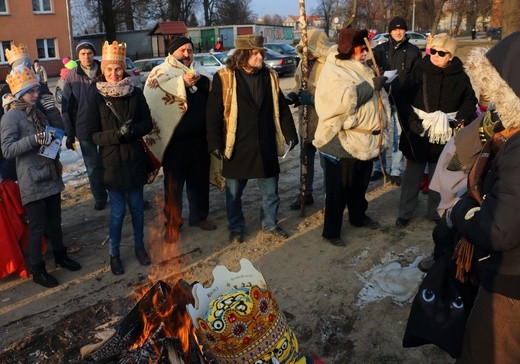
{"points": [[44, 216], [346, 183], [186, 163]]}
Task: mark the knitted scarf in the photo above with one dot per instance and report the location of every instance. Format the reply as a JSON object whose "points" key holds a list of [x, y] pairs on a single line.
{"points": [[120, 89], [34, 116]]}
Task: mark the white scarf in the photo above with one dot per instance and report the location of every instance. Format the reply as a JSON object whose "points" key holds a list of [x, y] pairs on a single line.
{"points": [[436, 125]]}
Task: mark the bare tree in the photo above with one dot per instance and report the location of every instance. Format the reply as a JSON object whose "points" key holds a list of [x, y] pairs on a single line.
{"points": [[326, 10], [209, 7], [234, 12], [109, 19], [128, 14]]}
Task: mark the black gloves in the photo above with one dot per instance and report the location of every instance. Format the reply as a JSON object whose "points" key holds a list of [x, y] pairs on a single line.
{"points": [[379, 82], [69, 142], [416, 126], [292, 98], [125, 131]]}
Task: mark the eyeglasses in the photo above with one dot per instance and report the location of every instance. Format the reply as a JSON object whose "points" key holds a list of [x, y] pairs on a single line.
{"points": [[433, 51]]}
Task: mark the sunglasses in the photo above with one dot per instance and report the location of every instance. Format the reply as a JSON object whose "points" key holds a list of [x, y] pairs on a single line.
{"points": [[433, 52]]}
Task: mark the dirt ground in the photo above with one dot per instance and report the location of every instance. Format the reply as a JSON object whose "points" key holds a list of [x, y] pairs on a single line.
{"points": [[342, 302]]}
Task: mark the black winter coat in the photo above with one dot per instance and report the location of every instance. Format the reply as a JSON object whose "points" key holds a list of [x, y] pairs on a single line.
{"points": [[122, 161], [254, 152], [448, 90], [397, 56]]}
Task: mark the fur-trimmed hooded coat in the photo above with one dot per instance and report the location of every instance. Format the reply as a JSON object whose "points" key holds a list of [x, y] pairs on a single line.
{"points": [[448, 90], [336, 101], [494, 227]]}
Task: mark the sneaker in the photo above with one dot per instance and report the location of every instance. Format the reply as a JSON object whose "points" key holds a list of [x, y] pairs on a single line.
{"points": [[401, 223], [296, 205], [426, 264], [236, 237], [377, 175], [277, 232]]}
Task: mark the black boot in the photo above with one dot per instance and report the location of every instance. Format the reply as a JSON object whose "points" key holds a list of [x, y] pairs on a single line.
{"points": [[41, 276], [116, 266], [62, 260]]}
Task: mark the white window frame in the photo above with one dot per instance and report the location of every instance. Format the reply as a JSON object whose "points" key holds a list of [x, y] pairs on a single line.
{"points": [[6, 12], [46, 48], [3, 58], [40, 10]]}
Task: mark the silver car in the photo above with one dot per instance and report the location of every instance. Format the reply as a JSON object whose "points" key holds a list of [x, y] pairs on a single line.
{"points": [[210, 61], [145, 66], [415, 38]]}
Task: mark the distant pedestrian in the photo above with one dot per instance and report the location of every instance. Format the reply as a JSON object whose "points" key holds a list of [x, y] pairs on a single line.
{"points": [[473, 33], [40, 72]]}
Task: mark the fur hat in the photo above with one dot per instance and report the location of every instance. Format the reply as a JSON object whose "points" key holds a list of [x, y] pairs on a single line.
{"points": [[349, 38], [178, 42], [444, 42], [249, 42], [397, 23], [113, 53], [495, 73], [21, 80], [317, 43], [85, 44]]}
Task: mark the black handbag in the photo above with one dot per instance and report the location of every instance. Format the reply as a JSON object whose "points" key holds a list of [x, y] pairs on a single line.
{"points": [[440, 309]]}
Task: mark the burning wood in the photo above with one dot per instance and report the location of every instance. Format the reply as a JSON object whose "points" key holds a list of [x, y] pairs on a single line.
{"points": [[157, 330]]}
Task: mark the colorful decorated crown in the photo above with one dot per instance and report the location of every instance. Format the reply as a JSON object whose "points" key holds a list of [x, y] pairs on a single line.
{"points": [[238, 321], [19, 81], [16, 52], [114, 52]]}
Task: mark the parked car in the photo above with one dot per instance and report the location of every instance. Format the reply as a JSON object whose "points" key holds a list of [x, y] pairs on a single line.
{"points": [[284, 48], [415, 38], [131, 69], [146, 65], [209, 61], [282, 64], [494, 33]]}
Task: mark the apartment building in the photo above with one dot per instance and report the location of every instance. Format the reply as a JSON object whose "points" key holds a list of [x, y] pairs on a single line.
{"points": [[42, 25]]}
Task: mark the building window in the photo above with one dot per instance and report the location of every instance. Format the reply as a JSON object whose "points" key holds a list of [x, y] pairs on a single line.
{"points": [[3, 7], [46, 48], [5, 44], [41, 6]]}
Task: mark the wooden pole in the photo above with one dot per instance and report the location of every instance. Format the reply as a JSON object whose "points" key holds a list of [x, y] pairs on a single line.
{"points": [[305, 114]]}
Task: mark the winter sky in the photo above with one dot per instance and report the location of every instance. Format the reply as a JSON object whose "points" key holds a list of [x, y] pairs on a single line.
{"points": [[282, 7]]}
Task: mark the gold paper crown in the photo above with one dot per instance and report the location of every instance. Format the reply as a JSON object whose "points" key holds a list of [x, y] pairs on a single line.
{"points": [[238, 321], [113, 52], [18, 81], [16, 52]]}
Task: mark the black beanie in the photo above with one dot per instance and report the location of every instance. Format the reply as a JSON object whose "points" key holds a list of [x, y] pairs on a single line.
{"points": [[397, 23], [85, 44], [178, 42]]}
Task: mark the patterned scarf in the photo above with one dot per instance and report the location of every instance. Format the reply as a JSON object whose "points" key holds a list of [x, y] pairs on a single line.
{"points": [[120, 89]]}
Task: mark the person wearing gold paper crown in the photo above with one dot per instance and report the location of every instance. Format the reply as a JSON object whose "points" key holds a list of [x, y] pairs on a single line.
{"points": [[177, 92], [23, 133], [248, 122], [238, 320], [118, 117]]}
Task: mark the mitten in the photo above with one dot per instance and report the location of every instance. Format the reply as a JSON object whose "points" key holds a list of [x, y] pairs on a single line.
{"points": [[125, 131], [292, 98], [307, 99], [69, 142], [379, 82], [416, 126], [43, 138]]}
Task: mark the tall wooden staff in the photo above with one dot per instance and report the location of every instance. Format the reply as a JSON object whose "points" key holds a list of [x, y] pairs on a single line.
{"points": [[380, 107], [305, 115]]}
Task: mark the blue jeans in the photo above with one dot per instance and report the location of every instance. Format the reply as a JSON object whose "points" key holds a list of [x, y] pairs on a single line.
{"points": [[89, 151], [268, 209], [311, 153], [396, 159], [118, 201]]}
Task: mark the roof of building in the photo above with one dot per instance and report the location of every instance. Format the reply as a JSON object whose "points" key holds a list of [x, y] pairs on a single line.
{"points": [[169, 28]]}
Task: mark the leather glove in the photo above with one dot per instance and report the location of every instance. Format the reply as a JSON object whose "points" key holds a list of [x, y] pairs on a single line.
{"points": [[379, 82], [292, 144], [307, 99], [43, 138], [217, 153], [125, 131], [292, 98], [69, 142], [417, 127]]}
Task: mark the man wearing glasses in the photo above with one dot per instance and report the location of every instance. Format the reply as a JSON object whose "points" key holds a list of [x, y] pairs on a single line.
{"points": [[400, 55]]}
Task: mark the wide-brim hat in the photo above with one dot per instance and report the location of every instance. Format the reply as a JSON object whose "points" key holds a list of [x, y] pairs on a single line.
{"points": [[349, 38]]}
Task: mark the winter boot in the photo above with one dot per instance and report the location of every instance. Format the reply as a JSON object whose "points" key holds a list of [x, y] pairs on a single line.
{"points": [[41, 276], [62, 260]]}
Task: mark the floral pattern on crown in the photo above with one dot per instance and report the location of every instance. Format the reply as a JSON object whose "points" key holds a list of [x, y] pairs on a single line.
{"points": [[114, 52]]}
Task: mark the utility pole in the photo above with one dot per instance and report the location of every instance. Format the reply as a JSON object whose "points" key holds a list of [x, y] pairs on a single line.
{"points": [[413, 16]]}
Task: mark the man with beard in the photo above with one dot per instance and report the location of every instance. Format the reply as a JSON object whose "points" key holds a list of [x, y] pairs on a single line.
{"points": [[247, 123]]}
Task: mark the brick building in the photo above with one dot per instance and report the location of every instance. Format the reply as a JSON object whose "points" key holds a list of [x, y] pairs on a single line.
{"points": [[42, 25]]}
